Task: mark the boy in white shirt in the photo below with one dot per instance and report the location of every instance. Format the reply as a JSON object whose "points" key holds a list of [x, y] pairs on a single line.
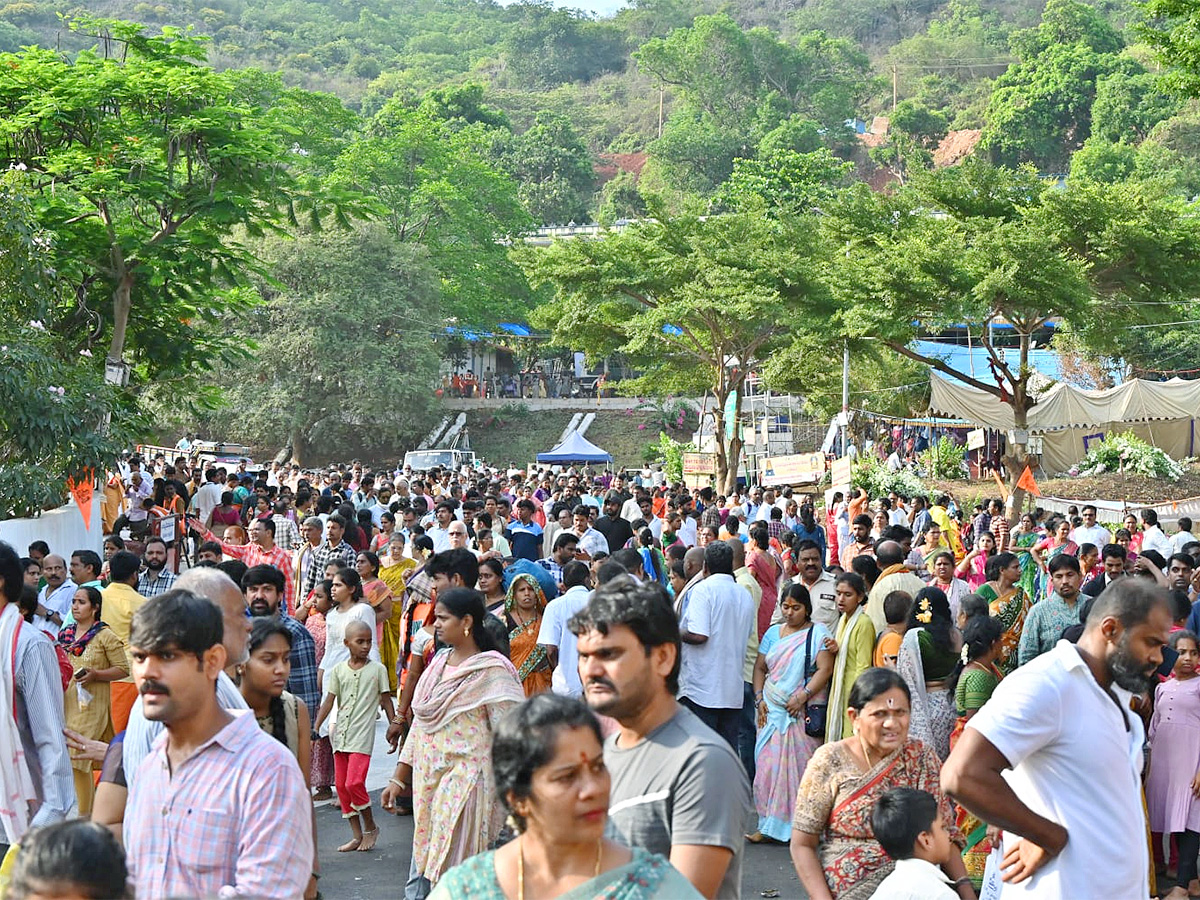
{"points": [[908, 827]]}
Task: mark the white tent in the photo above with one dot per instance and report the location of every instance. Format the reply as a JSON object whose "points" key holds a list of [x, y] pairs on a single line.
{"points": [[1068, 418]]}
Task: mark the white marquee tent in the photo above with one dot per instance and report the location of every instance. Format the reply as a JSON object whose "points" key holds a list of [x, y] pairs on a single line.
{"points": [[1068, 419]]}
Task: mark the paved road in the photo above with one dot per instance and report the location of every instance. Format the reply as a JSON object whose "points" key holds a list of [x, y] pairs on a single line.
{"points": [[380, 874]]}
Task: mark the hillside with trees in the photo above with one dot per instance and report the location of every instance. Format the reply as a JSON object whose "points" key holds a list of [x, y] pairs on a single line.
{"points": [[219, 194]]}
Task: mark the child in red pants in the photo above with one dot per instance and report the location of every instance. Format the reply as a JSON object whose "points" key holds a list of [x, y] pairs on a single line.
{"points": [[359, 685]]}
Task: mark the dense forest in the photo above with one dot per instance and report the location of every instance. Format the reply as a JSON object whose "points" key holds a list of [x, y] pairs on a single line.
{"points": [[668, 94]]}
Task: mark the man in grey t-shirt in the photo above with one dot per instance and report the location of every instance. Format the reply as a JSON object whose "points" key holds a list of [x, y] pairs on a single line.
{"points": [[677, 787]]}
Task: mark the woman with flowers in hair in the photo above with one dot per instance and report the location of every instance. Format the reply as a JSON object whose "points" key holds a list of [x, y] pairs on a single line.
{"points": [[928, 656]]}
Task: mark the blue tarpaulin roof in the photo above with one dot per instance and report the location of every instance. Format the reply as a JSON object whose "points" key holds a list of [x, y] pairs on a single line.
{"points": [[576, 448], [973, 361]]}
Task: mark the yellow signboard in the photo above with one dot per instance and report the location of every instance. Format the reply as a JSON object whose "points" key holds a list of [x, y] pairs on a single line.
{"points": [[799, 468], [699, 464]]}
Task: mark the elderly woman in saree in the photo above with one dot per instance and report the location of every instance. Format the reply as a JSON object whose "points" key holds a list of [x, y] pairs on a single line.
{"points": [[833, 847], [446, 760], [548, 764], [791, 674], [523, 610], [928, 655]]}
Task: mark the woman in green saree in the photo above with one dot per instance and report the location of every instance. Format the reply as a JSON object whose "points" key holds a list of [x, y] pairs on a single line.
{"points": [[1008, 602], [549, 771]]}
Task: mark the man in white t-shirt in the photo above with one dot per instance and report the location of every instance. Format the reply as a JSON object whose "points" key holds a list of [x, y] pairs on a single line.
{"points": [[1070, 803], [1089, 532], [1183, 536], [554, 634], [1152, 536], [714, 629]]}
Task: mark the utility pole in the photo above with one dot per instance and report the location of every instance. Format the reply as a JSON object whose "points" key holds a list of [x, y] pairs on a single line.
{"points": [[660, 111], [845, 392]]}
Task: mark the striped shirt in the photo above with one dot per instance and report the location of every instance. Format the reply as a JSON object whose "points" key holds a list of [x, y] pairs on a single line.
{"points": [[254, 555], [159, 584], [233, 820]]}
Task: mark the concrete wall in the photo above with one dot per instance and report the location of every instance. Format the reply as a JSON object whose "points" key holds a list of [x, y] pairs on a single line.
{"points": [[61, 528]]}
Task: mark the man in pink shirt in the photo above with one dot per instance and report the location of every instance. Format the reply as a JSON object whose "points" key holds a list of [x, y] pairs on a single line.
{"points": [[219, 808]]}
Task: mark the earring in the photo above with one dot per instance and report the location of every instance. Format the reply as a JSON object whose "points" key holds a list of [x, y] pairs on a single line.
{"points": [[468, 631]]}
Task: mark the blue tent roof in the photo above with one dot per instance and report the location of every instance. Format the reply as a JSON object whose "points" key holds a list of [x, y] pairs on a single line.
{"points": [[974, 361], [576, 448]]}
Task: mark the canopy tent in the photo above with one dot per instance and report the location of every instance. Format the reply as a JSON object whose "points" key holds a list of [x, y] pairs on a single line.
{"points": [[575, 449], [1068, 418]]}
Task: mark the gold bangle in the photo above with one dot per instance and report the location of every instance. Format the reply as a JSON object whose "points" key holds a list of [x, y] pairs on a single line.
{"points": [[399, 784]]}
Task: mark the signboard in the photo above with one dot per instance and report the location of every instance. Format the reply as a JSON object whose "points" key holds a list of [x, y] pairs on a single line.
{"points": [[800, 468], [731, 408], [840, 473], [976, 438], [699, 464]]}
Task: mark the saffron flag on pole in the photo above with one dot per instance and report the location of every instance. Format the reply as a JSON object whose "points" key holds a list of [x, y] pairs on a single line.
{"points": [[1026, 482], [82, 491]]}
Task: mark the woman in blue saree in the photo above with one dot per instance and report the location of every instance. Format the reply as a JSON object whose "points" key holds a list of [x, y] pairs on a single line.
{"points": [[791, 673]]}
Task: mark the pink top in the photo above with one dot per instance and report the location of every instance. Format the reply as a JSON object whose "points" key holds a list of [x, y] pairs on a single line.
{"points": [[233, 820]]}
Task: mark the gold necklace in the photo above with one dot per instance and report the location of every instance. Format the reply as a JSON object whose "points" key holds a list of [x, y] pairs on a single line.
{"points": [[521, 864]]}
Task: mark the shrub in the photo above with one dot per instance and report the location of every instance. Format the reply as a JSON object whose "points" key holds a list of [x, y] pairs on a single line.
{"points": [[1129, 453]]}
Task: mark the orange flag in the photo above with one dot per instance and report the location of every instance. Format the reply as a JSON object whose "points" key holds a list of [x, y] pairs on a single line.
{"points": [[1027, 483], [82, 492]]}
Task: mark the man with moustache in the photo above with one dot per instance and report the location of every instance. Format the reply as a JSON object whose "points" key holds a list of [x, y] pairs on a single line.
{"points": [[1071, 803], [220, 590], [678, 788], [263, 586], [220, 807]]}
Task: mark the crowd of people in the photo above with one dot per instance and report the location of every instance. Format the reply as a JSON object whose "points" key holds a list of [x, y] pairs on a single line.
{"points": [[595, 687]]}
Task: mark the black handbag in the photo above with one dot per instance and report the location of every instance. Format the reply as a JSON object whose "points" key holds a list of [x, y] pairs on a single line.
{"points": [[814, 713]]}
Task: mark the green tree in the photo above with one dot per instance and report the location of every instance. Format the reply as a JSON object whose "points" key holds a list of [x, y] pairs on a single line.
{"points": [[1040, 110], [550, 46], [435, 185], [1005, 247], [146, 166], [60, 418], [694, 301], [1100, 159], [786, 182], [345, 354], [553, 170]]}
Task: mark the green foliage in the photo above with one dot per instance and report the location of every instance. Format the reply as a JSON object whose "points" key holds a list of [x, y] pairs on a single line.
{"points": [[550, 46], [553, 169], [669, 452], [1041, 108], [785, 181], [684, 295], [924, 125], [435, 185], [1102, 160], [943, 460], [1128, 453], [146, 168], [738, 86], [869, 472], [54, 398], [345, 353], [1005, 246]]}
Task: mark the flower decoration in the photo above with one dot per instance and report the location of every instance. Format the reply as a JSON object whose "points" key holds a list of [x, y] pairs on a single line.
{"points": [[965, 655], [925, 616]]}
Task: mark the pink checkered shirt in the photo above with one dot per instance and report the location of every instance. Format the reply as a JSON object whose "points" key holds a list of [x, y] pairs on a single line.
{"points": [[234, 820], [253, 555]]}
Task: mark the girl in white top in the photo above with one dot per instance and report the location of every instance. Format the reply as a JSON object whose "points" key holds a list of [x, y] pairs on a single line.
{"points": [[349, 606]]}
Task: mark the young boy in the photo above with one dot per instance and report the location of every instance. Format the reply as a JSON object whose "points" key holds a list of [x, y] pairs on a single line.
{"points": [[359, 685], [896, 606], [908, 826]]}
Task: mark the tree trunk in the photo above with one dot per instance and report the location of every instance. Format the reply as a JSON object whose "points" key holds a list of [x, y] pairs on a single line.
{"points": [[122, 304], [1018, 454], [299, 446]]}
